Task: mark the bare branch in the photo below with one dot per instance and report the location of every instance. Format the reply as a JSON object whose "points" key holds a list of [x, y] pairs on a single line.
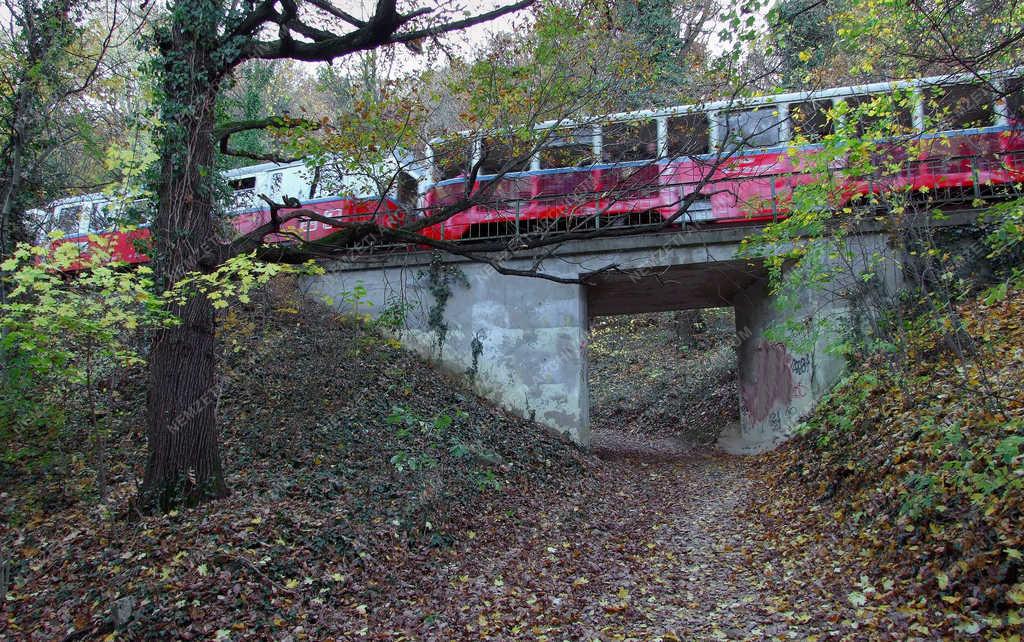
{"points": [[462, 24], [256, 19], [381, 29], [327, 7]]}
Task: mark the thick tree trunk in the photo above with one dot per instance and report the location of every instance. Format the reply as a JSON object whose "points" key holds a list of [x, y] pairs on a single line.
{"points": [[184, 457], [183, 466]]}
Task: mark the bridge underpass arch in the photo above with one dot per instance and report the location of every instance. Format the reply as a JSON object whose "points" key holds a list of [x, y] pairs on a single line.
{"points": [[522, 341], [654, 388]]}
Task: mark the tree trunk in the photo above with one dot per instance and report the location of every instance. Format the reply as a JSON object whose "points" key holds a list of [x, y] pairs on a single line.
{"points": [[688, 324], [183, 466], [184, 456], [44, 29]]}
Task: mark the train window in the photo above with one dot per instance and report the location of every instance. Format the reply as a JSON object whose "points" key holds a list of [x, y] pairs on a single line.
{"points": [[688, 135], [751, 128], [102, 217], [66, 219], [876, 114], [632, 141], [451, 158], [959, 107], [568, 148], [239, 184], [1015, 99], [408, 189], [504, 154], [809, 119]]}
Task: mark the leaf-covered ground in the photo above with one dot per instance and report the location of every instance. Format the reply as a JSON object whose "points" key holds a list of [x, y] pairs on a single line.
{"points": [[904, 499], [662, 384], [376, 499]]}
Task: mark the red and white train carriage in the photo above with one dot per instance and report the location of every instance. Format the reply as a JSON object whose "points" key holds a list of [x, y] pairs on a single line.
{"points": [[89, 220], [743, 156], [641, 165]]}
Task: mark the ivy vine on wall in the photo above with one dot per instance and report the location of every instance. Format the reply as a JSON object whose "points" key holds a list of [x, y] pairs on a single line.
{"points": [[440, 278]]}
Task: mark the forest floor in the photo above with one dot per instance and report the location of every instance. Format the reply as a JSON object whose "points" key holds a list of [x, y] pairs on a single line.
{"points": [[661, 384], [374, 498]]}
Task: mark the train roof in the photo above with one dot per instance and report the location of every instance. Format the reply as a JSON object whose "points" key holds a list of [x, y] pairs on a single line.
{"points": [[742, 102], [259, 169]]}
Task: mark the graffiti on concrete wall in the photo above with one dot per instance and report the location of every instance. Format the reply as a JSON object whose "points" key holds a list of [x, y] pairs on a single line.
{"points": [[775, 378], [769, 383], [800, 365]]}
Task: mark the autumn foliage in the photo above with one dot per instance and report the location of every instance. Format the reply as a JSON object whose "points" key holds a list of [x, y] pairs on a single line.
{"points": [[903, 499]]}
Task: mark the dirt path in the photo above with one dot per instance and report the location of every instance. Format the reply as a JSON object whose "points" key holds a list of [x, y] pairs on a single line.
{"points": [[639, 550]]}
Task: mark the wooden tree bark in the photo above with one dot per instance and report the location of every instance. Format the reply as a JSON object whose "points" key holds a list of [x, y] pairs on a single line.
{"points": [[184, 459]]}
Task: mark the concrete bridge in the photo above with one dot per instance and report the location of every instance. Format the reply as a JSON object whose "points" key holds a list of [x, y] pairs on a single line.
{"points": [[523, 341]]}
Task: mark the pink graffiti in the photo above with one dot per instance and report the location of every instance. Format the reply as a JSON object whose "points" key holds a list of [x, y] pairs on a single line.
{"points": [[770, 381]]}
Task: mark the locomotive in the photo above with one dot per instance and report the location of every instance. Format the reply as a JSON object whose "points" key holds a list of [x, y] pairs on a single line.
{"points": [[729, 161]]}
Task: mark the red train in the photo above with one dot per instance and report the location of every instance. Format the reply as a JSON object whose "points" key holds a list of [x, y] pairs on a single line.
{"points": [[638, 167], [743, 156], [89, 220]]}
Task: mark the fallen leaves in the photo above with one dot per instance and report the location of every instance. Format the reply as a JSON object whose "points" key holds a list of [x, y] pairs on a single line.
{"points": [[323, 539], [915, 481]]}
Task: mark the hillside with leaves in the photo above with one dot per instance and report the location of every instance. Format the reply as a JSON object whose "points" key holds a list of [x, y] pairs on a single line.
{"points": [[376, 498], [901, 503]]}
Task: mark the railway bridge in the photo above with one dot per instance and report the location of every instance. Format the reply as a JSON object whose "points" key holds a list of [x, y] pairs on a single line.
{"points": [[523, 340]]}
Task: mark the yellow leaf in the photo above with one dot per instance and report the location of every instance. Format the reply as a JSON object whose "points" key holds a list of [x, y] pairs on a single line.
{"points": [[1016, 594]]}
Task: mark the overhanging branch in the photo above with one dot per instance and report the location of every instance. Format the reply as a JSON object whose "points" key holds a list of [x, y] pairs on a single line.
{"points": [[224, 133], [381, 29]]}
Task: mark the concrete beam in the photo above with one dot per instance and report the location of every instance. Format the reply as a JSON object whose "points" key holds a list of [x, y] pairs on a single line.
{"points": [[681, 287]]}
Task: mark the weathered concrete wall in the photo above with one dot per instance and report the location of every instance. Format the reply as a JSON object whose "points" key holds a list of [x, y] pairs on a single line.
{"points": [[520, 341], [787, 358], [778, 384]]}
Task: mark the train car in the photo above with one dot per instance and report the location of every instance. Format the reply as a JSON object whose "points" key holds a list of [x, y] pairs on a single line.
{"points": [[737, 161], [744, 156], [89, 221]]}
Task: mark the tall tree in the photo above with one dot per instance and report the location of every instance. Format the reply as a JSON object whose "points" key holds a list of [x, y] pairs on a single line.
{"points": [[805, 35], [669, 34], [66, 74], [199, 45], [37, 83]]}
